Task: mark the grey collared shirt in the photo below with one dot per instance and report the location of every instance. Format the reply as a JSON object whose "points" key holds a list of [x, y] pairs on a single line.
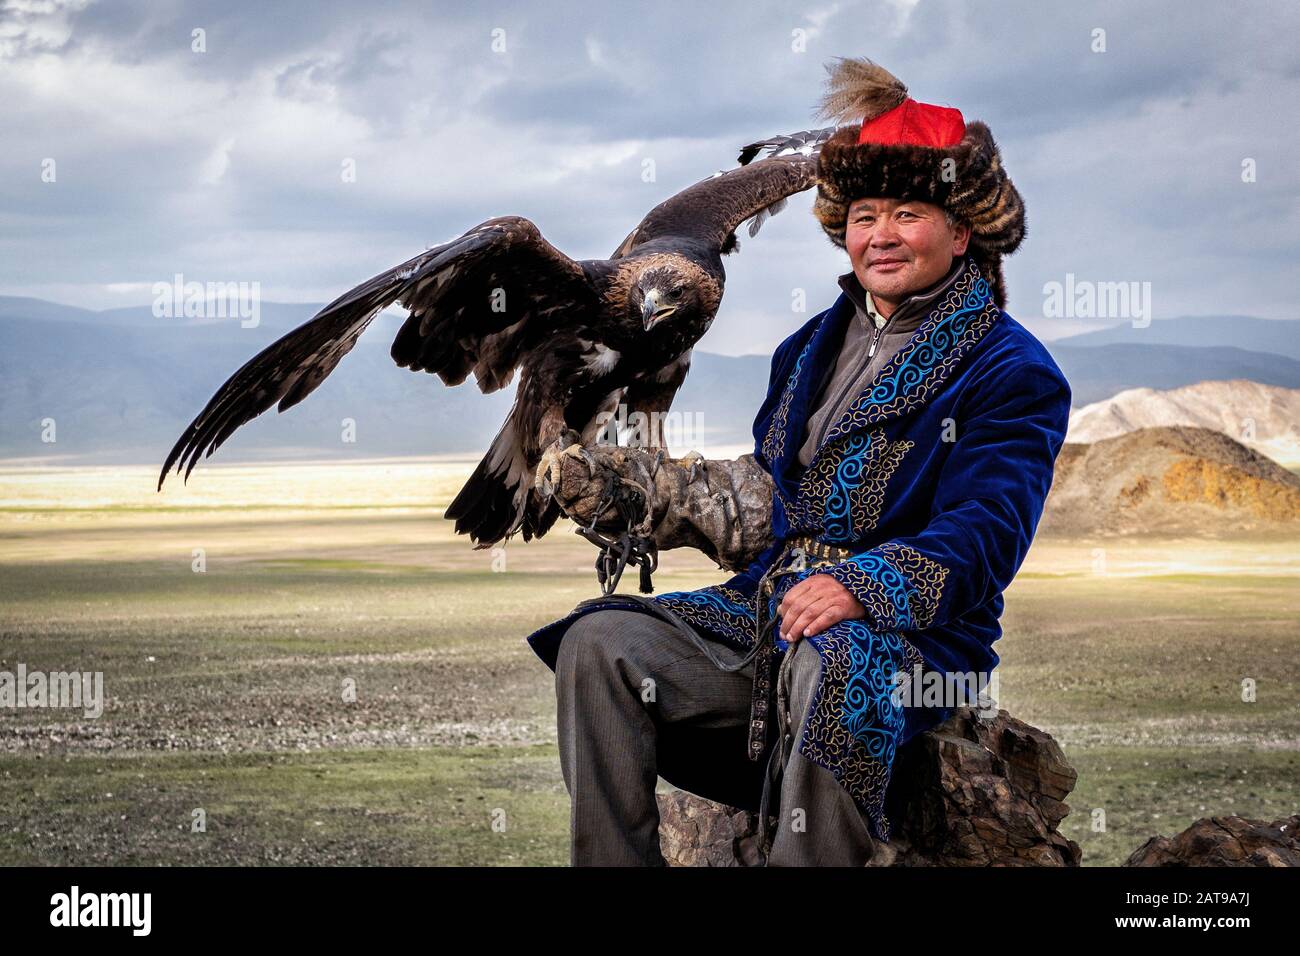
{"points": [[855, 368]]}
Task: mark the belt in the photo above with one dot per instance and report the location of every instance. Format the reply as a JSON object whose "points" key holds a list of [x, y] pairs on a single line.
{"points": [[808, 552]]}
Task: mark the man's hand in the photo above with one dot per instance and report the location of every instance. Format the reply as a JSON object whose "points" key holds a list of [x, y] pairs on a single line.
{"points": [[814, 604]]}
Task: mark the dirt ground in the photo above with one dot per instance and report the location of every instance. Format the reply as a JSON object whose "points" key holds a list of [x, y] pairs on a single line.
{"points": [[344, 681]]}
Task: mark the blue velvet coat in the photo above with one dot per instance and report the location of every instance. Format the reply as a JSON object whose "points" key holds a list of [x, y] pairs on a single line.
{"points": [[935, 479]]}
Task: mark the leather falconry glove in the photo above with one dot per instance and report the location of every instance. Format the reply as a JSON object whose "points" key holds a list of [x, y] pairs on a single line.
{"points": [[722, 508]]}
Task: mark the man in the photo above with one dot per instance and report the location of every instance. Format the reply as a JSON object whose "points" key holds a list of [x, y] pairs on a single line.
{"points": [[910, 433]]}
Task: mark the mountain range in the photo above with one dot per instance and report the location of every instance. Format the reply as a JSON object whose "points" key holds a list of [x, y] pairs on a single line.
{"points": [[120, 385]]}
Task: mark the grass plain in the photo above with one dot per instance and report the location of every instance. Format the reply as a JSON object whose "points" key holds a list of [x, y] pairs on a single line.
{"points": [[305, 657]]}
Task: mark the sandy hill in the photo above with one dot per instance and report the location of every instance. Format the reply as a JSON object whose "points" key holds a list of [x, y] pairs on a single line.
{"points": [[1169, 480], [1263, 417]]}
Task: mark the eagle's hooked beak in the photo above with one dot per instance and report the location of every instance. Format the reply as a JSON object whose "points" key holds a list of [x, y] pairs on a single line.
{"points": [[652, 311]]}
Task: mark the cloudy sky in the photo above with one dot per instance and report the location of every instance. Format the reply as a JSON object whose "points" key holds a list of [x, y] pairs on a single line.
{"points": [[227, 163]]}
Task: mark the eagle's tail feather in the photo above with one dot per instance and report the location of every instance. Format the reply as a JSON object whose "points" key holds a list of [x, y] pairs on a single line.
{"points": [[540, 516], [494, 502]]}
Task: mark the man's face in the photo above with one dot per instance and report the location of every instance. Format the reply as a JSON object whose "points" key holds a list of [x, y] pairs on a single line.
{"points": [[898, 248]]}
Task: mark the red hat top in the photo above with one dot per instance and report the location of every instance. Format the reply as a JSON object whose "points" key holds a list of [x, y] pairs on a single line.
{"points": [[915, 124]]}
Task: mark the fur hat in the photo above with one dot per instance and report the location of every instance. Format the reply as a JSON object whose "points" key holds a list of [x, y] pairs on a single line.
{"points": [[901, 149]]}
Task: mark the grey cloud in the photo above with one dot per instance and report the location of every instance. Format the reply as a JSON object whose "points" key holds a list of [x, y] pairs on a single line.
{"points": [[1129, 160]]}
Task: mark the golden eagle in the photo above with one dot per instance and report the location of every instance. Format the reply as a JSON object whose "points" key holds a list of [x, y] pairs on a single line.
{"points": [[586, 335]]}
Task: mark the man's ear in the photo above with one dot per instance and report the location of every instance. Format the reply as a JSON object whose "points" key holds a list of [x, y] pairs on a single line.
{"points": [[960, 238]]}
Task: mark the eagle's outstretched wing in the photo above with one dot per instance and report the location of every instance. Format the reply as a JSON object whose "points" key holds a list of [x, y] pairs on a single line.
{"points": [[806, 143], [475, 304], [713, 208]]}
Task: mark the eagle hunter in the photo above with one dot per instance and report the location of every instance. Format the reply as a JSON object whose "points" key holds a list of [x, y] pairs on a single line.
{"points": [[586, 334]]}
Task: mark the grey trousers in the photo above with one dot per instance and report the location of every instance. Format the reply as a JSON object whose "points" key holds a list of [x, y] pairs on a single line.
{"points": [[637, 700]]}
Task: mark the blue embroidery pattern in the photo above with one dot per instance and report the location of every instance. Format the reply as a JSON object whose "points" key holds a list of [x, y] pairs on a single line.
{"points": [[870, 712], [842, 493], [855, 471], [900, 587], [855, 734], [774, 440], [836, 515], [723, 610]]}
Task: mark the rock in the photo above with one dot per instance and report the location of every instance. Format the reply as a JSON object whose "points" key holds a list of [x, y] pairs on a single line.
{"points": [[970, 792], [698, 832], [1225, 841]]}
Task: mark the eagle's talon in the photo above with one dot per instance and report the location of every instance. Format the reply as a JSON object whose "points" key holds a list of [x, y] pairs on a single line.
{"points": [[588, 459], [656, 462], [542, 479], [697, 463]]}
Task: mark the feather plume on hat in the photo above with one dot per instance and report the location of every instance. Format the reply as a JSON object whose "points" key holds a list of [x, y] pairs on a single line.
{"points": [[857, 90]]}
